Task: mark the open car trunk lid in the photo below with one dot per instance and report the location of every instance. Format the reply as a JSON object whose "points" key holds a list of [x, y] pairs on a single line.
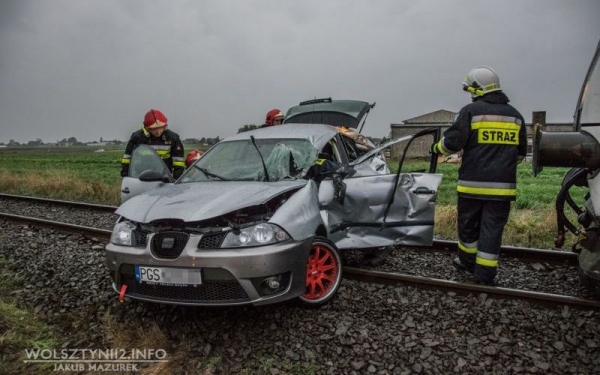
{"points": [[326, 111]]}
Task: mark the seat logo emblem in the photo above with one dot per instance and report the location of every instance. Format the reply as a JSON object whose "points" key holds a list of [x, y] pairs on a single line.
{"points": [[167, 243]]}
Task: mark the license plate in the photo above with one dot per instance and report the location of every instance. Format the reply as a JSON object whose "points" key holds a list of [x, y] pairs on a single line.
{"points": [[168, 275]]}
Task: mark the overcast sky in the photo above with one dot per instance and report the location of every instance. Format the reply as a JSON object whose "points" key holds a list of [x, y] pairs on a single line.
{"points": [[91, 69]]}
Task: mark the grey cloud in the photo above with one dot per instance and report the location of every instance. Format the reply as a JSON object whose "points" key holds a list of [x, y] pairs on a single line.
{"points": [[91, 69]]}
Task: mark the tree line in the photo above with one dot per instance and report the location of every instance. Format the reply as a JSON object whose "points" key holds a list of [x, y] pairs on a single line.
{"points": [[72, 141]]}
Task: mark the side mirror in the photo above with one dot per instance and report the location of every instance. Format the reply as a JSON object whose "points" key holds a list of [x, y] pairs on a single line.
{"points": [[151, 175]]}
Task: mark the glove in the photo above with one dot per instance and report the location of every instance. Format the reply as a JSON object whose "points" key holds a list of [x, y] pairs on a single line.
{"points": [[434, 149]]}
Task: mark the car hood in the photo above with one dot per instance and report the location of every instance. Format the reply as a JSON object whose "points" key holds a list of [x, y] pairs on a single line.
{"points": [[202, 200]]}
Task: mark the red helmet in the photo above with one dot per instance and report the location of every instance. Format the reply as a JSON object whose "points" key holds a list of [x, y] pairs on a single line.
{"points": [[155, 119], [272, 115], [192, 156]]}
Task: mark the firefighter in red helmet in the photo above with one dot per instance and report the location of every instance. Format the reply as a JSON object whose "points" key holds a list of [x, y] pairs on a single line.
{"points": [[155, 134], [192, 156], [274, 117]]}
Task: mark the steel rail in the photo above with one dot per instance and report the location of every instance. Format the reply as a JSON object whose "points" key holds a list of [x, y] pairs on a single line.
{"points": [[356, 273], [96, 207], [102, 234], [430, 283], [523, 253]]}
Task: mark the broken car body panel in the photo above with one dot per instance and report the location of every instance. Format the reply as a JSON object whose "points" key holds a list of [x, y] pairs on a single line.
{"points": [[211, 200], [358, 223]]}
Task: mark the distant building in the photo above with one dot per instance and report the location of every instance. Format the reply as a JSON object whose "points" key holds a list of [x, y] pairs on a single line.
{"points": [[441, 118]]}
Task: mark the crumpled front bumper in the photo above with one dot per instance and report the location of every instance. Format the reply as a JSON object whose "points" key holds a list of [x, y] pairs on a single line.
{"points": [[229, 276]]}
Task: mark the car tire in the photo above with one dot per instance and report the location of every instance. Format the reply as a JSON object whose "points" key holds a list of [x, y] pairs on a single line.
{"points": [[323, 273]]}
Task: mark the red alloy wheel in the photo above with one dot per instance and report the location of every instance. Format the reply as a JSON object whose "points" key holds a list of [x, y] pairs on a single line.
{"points": [[323, 273]]}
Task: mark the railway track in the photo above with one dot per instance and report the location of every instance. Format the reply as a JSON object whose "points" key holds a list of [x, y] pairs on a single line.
{"points": [[90, 206], [380, 277], [522, 253]]}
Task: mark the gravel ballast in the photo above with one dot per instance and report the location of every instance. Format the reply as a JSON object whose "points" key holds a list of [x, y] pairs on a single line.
{"points": [[513, 273], [367, 329]]}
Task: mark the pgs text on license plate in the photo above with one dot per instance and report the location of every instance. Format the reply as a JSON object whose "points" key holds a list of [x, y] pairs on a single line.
{"points": [[168, 275]]}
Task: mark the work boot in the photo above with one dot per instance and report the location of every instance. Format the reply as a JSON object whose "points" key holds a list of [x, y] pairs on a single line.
{"points": [[462, 267], [488, 282]]}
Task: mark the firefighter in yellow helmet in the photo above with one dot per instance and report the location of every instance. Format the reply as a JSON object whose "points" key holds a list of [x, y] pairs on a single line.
{"points": [[493, 137], [155, 134]]}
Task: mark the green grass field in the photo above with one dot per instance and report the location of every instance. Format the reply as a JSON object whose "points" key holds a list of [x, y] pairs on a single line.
{"points": [[80, 174], [81, 163], [532, 192]]}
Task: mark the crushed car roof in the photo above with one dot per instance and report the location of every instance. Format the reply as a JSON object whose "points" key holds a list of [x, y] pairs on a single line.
{"points": [[318, 135]]}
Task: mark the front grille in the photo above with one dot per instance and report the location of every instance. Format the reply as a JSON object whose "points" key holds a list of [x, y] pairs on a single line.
{"points": [[211, 291], [168, 245], [140, 238], [212, 240]]}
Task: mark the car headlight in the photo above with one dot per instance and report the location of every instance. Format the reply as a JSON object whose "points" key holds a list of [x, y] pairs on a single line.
{"points": [[255, 235], [122, 234]]}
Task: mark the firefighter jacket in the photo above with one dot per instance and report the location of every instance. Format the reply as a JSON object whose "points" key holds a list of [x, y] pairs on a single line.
{"points": [[493, 137], [168, 146], [324, 168]]}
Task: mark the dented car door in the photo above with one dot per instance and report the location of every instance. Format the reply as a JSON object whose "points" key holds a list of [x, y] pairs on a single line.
{"points": [[383, 209]]}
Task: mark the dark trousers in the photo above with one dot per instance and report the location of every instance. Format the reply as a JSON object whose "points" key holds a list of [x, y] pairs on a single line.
{"points": [[480, 227]]}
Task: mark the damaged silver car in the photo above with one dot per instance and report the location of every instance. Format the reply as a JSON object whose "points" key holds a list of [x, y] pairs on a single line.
{"points": [[262, 217]]}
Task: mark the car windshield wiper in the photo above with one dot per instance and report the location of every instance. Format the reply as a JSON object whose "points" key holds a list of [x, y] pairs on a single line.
{"points": [[261, 159], [210, 174]]}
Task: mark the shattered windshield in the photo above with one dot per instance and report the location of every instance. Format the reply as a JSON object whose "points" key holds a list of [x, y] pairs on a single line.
{"points": [[240, 161]]}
